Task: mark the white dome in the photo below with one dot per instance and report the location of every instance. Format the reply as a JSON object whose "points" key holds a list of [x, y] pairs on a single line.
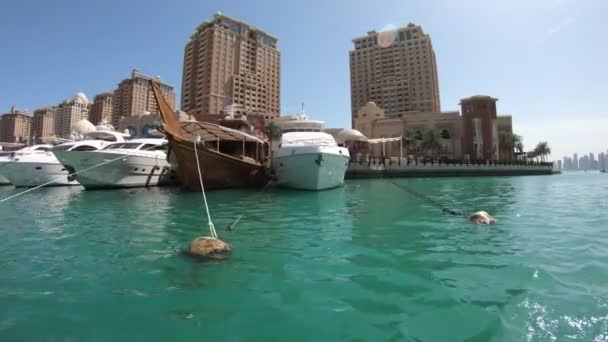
{"points": [[83, 126], [349, 134], [80, 97]]}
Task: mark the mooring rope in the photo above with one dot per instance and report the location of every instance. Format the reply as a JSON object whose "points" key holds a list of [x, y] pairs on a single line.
{"points": [[69, 175], [200, 178], [238, 218], [430, 200]]}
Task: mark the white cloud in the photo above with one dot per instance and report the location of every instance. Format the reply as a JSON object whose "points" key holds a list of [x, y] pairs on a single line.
{"points": [[564, 23]]}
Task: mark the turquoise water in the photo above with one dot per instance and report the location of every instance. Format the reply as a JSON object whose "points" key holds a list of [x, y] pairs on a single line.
{"points": [[366, 262]]}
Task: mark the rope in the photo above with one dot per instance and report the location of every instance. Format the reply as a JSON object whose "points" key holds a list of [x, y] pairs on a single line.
{"points": [[430, 200], [69, 175], [230, 226], [200, 178]]}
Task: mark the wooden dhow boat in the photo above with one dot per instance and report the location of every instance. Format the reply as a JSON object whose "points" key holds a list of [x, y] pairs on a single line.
{"points": [[228, 158]]}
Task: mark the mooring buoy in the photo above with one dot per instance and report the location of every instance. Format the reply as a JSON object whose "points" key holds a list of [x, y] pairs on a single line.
{"points": [[209, 248], [482, 217]]}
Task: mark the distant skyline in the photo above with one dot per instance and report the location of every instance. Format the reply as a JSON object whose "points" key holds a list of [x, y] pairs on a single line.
{"points": [[544, 60]]}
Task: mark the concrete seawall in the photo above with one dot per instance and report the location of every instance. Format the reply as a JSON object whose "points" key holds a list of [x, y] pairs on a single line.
{"points": [[379, 171]]}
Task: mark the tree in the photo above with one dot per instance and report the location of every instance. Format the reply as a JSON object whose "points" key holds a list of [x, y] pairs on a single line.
{"points": [[518, 143], [542, 150], [431, 142], [409, 139], [272, 130]]}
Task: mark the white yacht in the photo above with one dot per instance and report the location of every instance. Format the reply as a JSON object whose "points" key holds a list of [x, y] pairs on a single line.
{"points": [[143, 163], [3, 156], [34, 169], [308, 158], [9, 157]]}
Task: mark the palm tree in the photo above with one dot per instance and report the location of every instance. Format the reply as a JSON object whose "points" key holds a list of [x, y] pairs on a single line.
{"points": [[272, 130], [431, 143], [542, 150], [518, 144], [409, 139]]}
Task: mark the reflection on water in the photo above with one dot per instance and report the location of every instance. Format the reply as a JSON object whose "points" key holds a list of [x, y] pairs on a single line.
{"points": [[367, 261]]}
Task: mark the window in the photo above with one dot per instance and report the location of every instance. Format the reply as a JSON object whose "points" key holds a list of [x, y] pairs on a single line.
{"points": [[127, 146], [60, 147], [85, 148]]}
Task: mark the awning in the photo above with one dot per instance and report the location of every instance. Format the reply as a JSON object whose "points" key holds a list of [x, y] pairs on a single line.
{"points": [[383, 140]]}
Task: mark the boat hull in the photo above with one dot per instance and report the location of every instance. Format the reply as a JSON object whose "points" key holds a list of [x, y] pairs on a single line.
{"points": [[310, 167], [30, 174], [219, 171], [3, 179], [129, 171]]}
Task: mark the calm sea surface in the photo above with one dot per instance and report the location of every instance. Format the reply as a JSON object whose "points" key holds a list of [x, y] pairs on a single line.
{"points": [[366, 262]]}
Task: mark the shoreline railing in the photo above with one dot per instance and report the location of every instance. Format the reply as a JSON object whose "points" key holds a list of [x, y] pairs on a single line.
{"points": [[390, 161]]}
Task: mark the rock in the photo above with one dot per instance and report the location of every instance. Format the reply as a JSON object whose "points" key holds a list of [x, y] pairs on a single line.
{"points": [[209, 248], [482, 217]]}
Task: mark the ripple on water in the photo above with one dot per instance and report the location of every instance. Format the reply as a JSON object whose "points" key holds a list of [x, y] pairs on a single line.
{"points": [[364, 262]]}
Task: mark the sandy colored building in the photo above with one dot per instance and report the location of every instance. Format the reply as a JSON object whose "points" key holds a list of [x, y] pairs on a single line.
{"points": [[474, 134], [43, 124], [226, 62], [101, 109], [15, 126], [68, 113], [372, 122], [134, 97], [396, 70]]}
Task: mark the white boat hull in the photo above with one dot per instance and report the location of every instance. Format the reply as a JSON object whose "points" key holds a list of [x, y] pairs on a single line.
{"points": [[128, 171], [30, 174], [310, 167], [4, 180]]}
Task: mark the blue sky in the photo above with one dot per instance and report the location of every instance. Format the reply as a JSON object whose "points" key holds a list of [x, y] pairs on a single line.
{"points": [[545, 59]]}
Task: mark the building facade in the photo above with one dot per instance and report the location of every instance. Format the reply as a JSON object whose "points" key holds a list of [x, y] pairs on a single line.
{"points": [[372, 122], [475, 133], [68, 113], [230, 62], [134, 97], [395, 69], [15, 126], [101, 109], [43, 124]]}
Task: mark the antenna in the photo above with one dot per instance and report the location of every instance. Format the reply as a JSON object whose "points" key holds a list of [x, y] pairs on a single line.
{"points": [[302, 107]]}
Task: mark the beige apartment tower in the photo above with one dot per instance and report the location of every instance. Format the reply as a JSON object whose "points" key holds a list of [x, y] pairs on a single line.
{"points": [[101, 109], [15, 126], [229, 62], [70, 112], [134, 97], [43, 124], [396, 70]]}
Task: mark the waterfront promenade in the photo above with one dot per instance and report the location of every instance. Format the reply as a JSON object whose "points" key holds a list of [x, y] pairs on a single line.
{"points": [[395, 167]]}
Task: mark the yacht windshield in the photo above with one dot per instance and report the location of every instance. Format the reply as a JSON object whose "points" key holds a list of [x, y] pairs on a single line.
{"points": [[125, 146], [62, 147]]}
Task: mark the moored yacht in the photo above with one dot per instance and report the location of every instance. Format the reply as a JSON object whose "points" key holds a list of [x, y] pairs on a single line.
{"points": [[143, 163], [34, 169], [9, 157], [37, 168], [308, 158]]}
